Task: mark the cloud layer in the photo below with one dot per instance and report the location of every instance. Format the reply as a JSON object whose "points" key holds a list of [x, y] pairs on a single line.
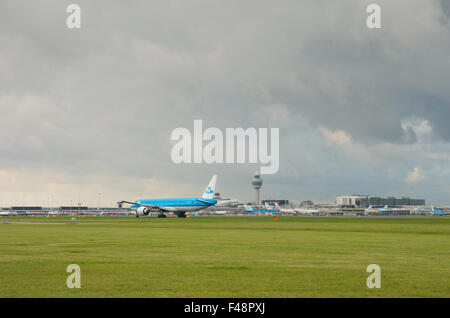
{"points": [[92, 110]]}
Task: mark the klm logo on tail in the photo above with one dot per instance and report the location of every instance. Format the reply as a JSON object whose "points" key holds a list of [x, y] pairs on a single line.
{"points": [[209, 192]]}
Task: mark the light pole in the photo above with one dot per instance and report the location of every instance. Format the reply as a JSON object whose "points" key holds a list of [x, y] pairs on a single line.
{"points": [[99, 201]]}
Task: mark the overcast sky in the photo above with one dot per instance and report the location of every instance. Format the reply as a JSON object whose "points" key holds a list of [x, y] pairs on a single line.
{"points": [[88, 111]]}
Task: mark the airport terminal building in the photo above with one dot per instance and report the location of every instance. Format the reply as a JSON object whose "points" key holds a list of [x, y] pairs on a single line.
{"points": [[364, 201]]}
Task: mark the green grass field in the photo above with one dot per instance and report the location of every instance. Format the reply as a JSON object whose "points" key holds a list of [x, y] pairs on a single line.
{"points": [[225, 257]]}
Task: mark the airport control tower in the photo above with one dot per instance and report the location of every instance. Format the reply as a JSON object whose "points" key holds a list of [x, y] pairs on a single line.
{"points": [[257, 183]]}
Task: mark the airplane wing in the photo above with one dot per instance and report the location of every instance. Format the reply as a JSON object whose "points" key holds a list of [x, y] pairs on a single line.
{"points": [[203, 201], [150, 206]]}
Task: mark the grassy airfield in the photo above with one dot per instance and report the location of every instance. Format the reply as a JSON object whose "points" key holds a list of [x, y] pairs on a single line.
{"points": [[225, 257]]}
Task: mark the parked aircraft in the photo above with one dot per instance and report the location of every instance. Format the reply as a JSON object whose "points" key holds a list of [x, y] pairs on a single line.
{"points": [[284, 210]]}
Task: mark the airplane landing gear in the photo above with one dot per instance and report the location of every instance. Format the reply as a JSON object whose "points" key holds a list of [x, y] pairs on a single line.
{"points": [[161, 215]]}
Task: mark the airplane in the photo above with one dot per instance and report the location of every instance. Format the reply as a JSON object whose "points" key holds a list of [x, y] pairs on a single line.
{"points": [[227, 203], [433, 210], [255, 209], [270, 208], [307, 211], [221, 212], [7, 213], [178, 206], [287, 211], [370, 209]]}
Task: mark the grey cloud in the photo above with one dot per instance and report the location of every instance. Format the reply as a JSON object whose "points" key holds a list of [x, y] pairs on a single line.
{"points": [[445, 7], [106, 97]]}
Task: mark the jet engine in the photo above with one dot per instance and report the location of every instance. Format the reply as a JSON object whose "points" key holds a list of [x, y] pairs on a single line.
{"points": [[142, 211]]}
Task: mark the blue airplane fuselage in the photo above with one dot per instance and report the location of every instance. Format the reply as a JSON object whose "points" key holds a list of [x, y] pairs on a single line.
{"points": [[178, 204]]}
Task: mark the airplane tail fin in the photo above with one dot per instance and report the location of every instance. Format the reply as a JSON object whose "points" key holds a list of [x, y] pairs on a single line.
{"points": [[209, 192], [277, 206]]}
